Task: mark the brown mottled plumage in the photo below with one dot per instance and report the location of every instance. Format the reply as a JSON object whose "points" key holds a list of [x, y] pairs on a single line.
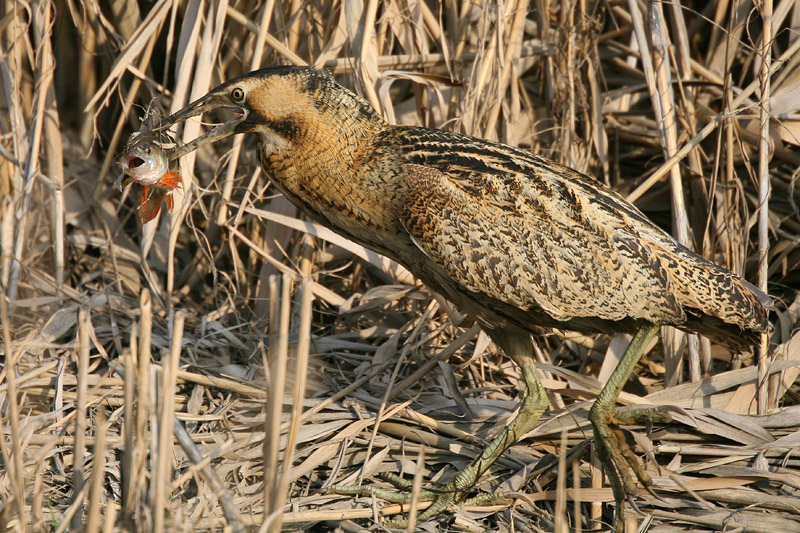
{"points": [[515, 240]]}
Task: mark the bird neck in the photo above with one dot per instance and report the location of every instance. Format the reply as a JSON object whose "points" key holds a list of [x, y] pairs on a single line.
{"points": [[341, 171]]}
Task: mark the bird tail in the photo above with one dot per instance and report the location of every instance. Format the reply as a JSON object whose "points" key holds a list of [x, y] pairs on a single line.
{"points": [[722, 305]]}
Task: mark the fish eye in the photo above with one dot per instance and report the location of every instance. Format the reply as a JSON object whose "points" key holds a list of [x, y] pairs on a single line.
{"points": [[238, 95]]}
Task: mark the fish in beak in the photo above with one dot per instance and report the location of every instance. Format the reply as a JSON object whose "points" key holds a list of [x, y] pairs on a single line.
{"points": [[145, 161]]}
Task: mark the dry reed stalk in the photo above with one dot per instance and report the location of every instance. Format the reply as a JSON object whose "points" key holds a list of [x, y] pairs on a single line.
{"points": [[764, 191], [98, 474], [144, 407], [163, 458], [273, 403], [416, 488], [221, 384], [560, 511], [595, 507], [110, 519], [79, 449], [666, 118], [512, 51], [42, 27], [301, 366], [233, 519], [577, 503], [279, 353], [13, 458], [128, 466]]}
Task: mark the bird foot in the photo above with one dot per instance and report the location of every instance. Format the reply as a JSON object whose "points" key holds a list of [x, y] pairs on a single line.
{"points": [[442, 497], [402, 495], [617, 457], [534, 402]]}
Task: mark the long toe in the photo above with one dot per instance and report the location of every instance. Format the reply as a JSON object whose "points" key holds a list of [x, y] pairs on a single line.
{"points": [[641, 415], [441, 497], [389, 495]]}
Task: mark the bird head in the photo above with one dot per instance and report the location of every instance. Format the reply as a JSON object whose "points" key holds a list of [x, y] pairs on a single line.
{"points": [[278, 103]]}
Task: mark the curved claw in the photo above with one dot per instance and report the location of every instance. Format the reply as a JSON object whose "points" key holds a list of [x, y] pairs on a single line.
{"points": [[635, 507]]}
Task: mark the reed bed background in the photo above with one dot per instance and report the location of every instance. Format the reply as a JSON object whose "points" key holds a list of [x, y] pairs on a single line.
{"points": [[295, 360]]}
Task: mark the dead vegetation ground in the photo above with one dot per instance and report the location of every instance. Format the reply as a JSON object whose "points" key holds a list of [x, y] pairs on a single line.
{"points": [[111, 330]]}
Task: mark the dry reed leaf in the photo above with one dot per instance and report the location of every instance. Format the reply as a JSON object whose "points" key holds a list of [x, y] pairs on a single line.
{"points": [[155, 18]]}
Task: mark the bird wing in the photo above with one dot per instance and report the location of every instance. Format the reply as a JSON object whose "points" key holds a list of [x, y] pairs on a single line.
{"points": [[534, 237]]}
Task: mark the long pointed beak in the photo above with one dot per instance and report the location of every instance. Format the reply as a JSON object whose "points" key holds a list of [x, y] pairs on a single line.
{"points": [[210, 102]]}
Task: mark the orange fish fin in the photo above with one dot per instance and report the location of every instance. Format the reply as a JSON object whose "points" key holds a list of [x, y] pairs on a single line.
{"points": [[170, 201], [149, 210], [171, 180], [151, 206]]}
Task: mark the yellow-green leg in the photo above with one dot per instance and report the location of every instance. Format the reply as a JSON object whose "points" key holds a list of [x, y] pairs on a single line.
{"points": [[534, 401], [612, 449]]}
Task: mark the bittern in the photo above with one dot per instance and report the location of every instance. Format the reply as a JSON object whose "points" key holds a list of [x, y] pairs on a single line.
{"points": [[516, 241]]}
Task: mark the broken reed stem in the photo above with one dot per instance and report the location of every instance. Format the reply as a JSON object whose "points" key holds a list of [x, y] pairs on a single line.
{"points": [[763, 193], [278, 362], [666, 117], [367, 55], [301, 368], [98, 475], [42, 32], [129, 476], [80, 417], [274, 400], [167, 415], [15, 454], [560, 511], [595, 507], [143, 405], [577, 502], [229, 509], [416, 489]]}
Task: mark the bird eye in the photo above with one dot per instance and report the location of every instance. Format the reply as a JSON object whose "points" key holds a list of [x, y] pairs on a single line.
{"points": [[237, 95]]}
